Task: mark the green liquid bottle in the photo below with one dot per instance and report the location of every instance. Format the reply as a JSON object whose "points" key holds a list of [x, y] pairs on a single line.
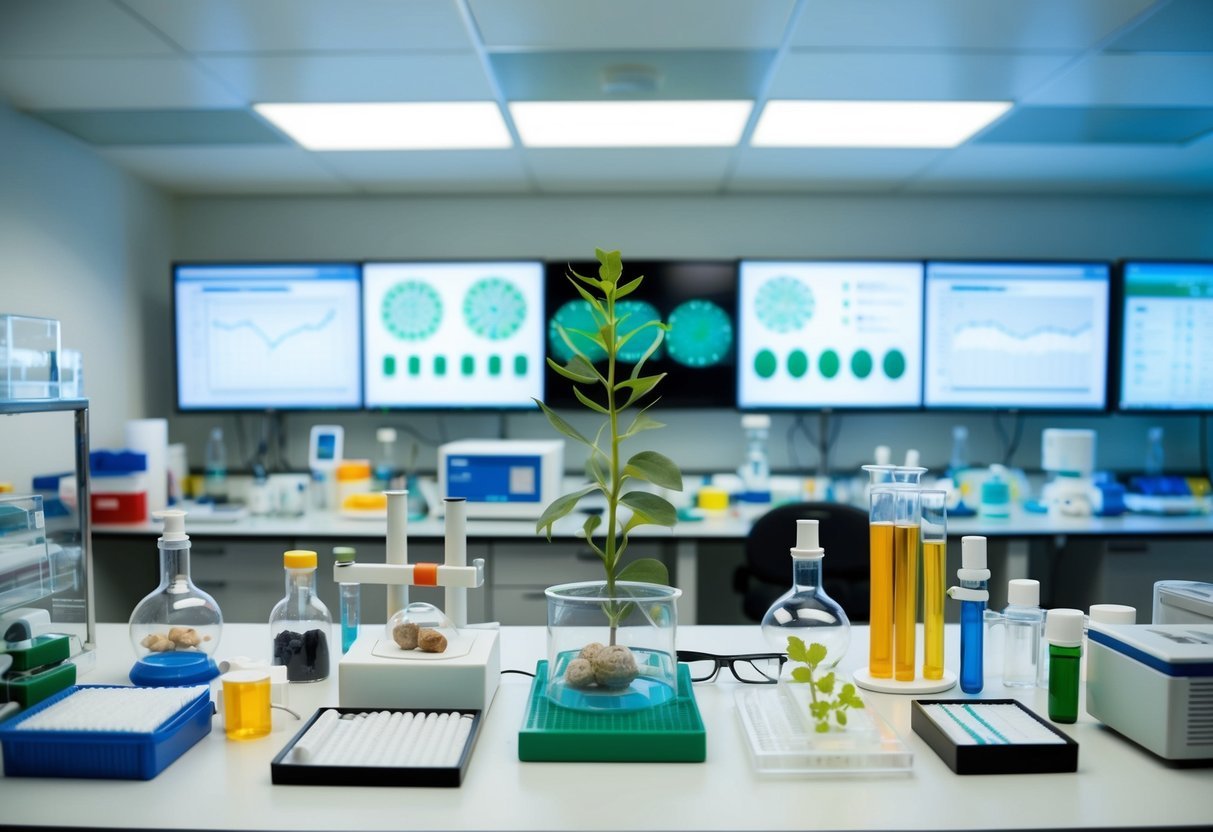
{"points": [[1063, 632]]}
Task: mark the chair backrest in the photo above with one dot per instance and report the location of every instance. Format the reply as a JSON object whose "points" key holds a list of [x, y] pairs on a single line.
{"points": [[843, 534]]}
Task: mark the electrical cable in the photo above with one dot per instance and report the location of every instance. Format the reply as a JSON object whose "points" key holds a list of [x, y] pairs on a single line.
{"points": [[1010, 443], [519, 672]]}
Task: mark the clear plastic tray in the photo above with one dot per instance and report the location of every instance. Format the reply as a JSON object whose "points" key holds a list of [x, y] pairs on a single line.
{"points": [[782, 741]]}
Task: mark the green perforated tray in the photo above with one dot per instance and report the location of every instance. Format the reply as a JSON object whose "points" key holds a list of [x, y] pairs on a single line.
{"points": [[669, 733]]}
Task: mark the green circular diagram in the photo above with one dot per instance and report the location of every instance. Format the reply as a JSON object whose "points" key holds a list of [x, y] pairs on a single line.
{"points": [[701, 334], [765, 363], [784, 304], [861, 363], [574, 315], [894, 364], [411, 310], [829, 363], [798, 363], [632, 315], [494, 308]]}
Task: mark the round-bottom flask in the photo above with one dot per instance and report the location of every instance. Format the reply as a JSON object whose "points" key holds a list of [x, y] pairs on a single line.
{"points": [[806, 611]]}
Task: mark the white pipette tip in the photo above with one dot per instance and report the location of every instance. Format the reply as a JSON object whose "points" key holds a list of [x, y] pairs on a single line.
{"points": [[807, 541], [174, 524]]}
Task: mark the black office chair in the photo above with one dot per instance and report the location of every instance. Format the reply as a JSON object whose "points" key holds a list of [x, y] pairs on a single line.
{"points": [[767, 571]]}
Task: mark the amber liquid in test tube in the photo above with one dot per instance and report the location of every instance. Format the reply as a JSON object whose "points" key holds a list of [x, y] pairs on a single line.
{"points": [[906, 537], [934, 580], [880, 531]]}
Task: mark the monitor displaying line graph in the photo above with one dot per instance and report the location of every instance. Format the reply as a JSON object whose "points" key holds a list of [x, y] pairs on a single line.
{"points": [[1017, 335], [268, 336]]}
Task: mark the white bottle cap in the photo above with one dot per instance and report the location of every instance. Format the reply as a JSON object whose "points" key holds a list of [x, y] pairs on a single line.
{"points": [[912, 458], [1023, 592], [174, 524], [385, 435], [1063, 627], [973, 559], [807, 544], [1113, 614], [758, 421], [883, 454]]}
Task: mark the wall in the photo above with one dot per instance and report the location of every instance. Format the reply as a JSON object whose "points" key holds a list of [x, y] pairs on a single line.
{"points": [[1105, 227], [80, 240]]}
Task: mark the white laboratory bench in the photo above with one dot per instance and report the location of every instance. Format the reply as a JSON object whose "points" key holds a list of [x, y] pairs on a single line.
{"points": [[226, 785]]}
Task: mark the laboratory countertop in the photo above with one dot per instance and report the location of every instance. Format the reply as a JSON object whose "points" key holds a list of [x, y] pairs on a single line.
{"points": [[734, 524], [226, 785]]}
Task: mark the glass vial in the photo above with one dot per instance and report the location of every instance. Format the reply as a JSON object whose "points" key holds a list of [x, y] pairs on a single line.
{"points": [[350, 599], [882, 516], [756, 470], [1023, 620], [385, 465], [806, 611], [1154, 452], [300, 622], [215, 478], [934, 528], [905, 582], [1063, 632], [973, 595]]}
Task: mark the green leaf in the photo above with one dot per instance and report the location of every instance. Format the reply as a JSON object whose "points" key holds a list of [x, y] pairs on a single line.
{"points": [[560, 507], [595, 469], [653, 347], [630, 334], [642, 422], [656, 468], [841, 716], [645, 570], [596, 307], [561, 425], [819, 710], [823, 727], [629, 287], [570, 373], [590, 403], [588, 281], [802, 674], [656, 510], [826, 683], [612, 265], [848, 690], [797, 651], [817, 653], [592, 522]]}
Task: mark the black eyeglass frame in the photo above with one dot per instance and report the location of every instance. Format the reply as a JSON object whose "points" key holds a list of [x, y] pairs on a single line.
{"points": [[720, 661]]}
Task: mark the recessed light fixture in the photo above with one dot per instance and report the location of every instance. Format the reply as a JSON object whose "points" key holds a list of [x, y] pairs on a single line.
{"points": [[630, 123], [435, 125], [787, 123]]}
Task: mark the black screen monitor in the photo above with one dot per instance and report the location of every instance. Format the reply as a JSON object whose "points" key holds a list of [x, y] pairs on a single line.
{"points": [[260, 336], [453, 334], [817, 335], [698, 299], [1166, 337], [1017, 335]]}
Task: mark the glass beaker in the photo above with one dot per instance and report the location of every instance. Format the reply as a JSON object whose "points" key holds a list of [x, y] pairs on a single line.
{"points": [[882, 515], [934, 526], [906, 538]]}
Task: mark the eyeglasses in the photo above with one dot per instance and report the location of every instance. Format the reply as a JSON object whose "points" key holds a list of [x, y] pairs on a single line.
{"points": [[750, 668]]}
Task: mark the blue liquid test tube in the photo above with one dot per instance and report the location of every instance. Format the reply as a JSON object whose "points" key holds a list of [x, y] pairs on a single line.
{"points": [[973, 594], [350, 600]]}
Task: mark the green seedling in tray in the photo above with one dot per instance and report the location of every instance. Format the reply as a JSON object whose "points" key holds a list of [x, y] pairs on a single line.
{"points": [[822, 702]]}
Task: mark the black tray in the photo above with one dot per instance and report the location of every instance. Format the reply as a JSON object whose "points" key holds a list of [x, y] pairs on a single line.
{"points": [[1015, 758]]}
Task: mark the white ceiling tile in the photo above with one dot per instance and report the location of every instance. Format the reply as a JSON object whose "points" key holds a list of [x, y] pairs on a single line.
{"points": [[826, 169], [921, 76], [78, 83], [1045, 169], [306, 25], [667, 170], [632, 24], [446, 76], [1140, 79], [40, 28], [224, 170], [471, 171], [963, 24]]}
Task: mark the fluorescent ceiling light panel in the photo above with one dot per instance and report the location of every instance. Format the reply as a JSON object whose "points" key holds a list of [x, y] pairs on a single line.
{"points": [[630, 123], [786, 123], [442, 125]]}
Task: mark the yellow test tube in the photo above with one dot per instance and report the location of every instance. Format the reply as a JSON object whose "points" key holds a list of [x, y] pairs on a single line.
{"points": [[934, 527]]}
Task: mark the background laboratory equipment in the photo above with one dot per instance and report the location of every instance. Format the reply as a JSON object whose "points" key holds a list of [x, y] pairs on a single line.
{"points": [[386, 468], [996, 493], [215, 481], [1155, 458], [756, 470], [805, 610], [350, 599], [1063, 632], [1022, 621], [882, 517], [1069, 457], [175, 629], [300, 622], [934, 526], [973, 595]]}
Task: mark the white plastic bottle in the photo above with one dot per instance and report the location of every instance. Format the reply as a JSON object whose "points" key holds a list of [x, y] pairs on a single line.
{"points": [[756, 471], [216, 466], [1023, 623]]}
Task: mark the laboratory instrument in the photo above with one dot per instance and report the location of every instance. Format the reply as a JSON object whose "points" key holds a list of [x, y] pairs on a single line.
{"points": [[351, 598], [300, 623], [1149, 682], [996, 493], [176, 628], [215, 469], [1063, 632], [756, 470], [863, 320], [325, 450], [934, 529], [386, 468], [377, 671], [1068, 455], [805, 610], [502, 478], [1022, 621], [29, 357], [119, 486], [973, 595], [906, 555], [992, 736], [1182, 602], [265, 336], [882, 518], [1155, 456], [246, 704]]}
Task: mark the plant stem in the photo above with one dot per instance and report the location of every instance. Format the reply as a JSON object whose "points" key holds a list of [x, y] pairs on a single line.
{"points": [[616, 486]]}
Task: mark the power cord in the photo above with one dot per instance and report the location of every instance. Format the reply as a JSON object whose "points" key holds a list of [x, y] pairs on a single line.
{"points": [[1010, 443]]}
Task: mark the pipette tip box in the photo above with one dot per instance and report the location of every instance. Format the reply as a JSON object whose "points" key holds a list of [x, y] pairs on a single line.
{"points": [[992, 736], [100, 754], [386, 760]]}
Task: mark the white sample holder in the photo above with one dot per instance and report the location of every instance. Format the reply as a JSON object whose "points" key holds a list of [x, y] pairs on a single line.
{"points": [[376, 673]]}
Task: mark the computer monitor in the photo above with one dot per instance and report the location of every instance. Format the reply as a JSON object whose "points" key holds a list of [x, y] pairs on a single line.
{"points": [[1166, 341], [825, 335], [450, 334], [262, 336], [696, 298], [1017, 335]]}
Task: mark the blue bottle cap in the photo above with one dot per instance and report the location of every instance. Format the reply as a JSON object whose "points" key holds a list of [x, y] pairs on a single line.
{"points": [[166, 670]]}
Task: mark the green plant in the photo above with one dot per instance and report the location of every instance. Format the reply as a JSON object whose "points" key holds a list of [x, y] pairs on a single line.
{"points": [[811, 657], [605, 390]]}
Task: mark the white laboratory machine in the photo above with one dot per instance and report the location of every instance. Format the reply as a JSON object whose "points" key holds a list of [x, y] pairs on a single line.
{"points": [[325, 450], [502, 478], [1069, 457], [1183, 602], [1152, 683], [377, 672]]}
